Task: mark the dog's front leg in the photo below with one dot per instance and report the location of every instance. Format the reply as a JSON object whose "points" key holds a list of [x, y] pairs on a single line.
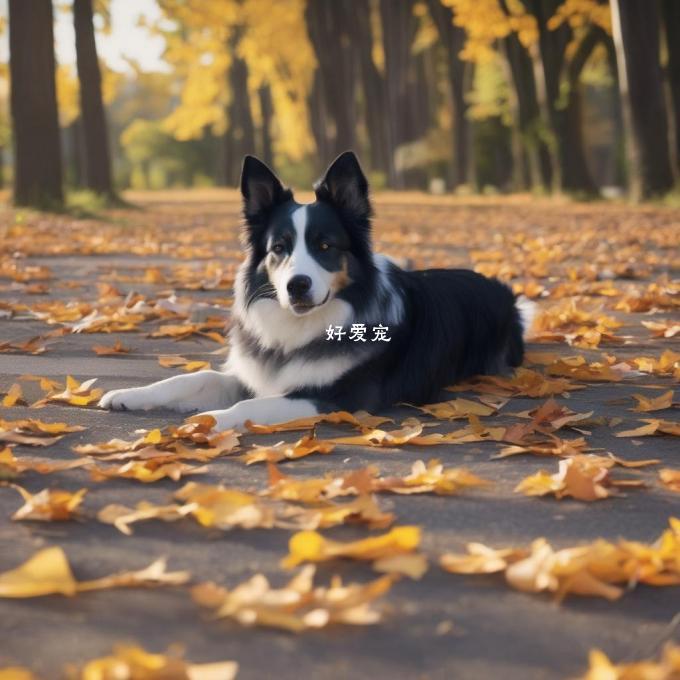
{"points": [[264, 411], [192, 392]]}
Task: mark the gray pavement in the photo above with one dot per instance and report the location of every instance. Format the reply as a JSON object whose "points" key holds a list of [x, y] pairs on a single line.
{"points": [[444, 626]]}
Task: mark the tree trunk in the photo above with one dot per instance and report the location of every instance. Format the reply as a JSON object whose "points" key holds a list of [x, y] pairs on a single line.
{"points": [[37, 148], [453, 39], [404, 114], [327, 24], [565, 120], [240, 135], [319, 123], [536, 155], [373, 85], [2, 167], [636, 36], [267, 109], [671, 19], [576, 174], [97, 171]]}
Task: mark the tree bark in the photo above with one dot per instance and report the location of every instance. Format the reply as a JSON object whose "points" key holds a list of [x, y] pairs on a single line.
{"points": [[404, 108], [537, 170], [37, 149], [671, 20], [373, 85], [240, 134], [327, 24], [318, 120], [97, 170], [453, 39], [636, 36], [267, 109], [565, 119]]}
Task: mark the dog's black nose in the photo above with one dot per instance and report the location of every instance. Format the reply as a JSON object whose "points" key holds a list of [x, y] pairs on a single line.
{"points": [[299, 286]]}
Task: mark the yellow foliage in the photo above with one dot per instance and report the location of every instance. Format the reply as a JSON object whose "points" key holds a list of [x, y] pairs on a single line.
{"points": [[485, 22], [578, 13], [270, 37]]}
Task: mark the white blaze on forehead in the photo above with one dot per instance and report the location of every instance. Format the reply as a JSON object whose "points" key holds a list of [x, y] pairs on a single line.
{"points": [[301, 262]]}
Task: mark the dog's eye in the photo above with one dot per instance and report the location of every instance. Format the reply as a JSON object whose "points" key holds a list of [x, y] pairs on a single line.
{"points": [[277, 248], [324, 246]]}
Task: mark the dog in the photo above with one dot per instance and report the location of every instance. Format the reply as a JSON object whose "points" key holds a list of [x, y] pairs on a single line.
{"points": [[305, 296]]}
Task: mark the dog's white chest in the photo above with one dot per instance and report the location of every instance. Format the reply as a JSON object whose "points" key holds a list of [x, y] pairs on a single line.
{"points": [[266, 380]]}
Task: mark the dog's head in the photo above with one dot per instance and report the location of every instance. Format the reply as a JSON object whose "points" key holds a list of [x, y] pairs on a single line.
{"points": [[305, 255]]}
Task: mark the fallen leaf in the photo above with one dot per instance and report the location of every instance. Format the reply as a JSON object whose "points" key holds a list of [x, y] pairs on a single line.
{"points": [[14, 397], [11, 466], [108, 350], [584, 478], [601, 568], [75, 394], [456, 408], [670, 479], [481, 559], [645, 404], [310, 546], [297, 606], [601, 668], [361, 419], [652, 426], [662, 329], [132, 662], [187, 365], [524, 383], [222, 508], [48, 505], [552, 446], [285, 451], [49, 573], [430, 478], [147, 471]]}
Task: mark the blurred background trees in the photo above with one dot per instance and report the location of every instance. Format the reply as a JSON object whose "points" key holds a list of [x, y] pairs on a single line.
{"points": [[576, 96]]}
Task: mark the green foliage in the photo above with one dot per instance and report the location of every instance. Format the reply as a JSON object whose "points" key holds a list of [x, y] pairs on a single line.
{"points": [[157, 160]]}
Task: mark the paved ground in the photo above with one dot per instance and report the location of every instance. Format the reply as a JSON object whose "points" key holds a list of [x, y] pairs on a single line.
{"points": [[495, 633]]}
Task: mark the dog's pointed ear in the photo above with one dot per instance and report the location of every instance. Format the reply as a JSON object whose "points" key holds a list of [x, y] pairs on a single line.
{"points": [[345, 186], [261, 189]]}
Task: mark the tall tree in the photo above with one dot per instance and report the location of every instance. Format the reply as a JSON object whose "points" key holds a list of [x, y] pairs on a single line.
{"points": [[97, 170], [373, 84], [636, 36], [407, 112], [671, 20], [534, 157], [327, 24], [240, 134], [37, 150], [453, 39], [572, 173]]}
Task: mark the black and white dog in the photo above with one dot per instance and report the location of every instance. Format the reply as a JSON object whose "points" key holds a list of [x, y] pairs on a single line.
{"points": [[320, 323]]}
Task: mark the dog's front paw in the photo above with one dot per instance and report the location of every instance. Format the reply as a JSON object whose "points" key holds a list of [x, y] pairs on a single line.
{"points": [[227, 419], [133, 399]]}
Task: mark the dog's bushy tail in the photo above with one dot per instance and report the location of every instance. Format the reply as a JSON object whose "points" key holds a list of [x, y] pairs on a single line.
{"points": [[527, 314]]}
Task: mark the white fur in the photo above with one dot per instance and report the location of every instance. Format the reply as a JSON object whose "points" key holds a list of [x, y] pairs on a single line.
{"points": [[183, 393], [527, 313], [278, 328], [294, 374], [265, 411]]}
